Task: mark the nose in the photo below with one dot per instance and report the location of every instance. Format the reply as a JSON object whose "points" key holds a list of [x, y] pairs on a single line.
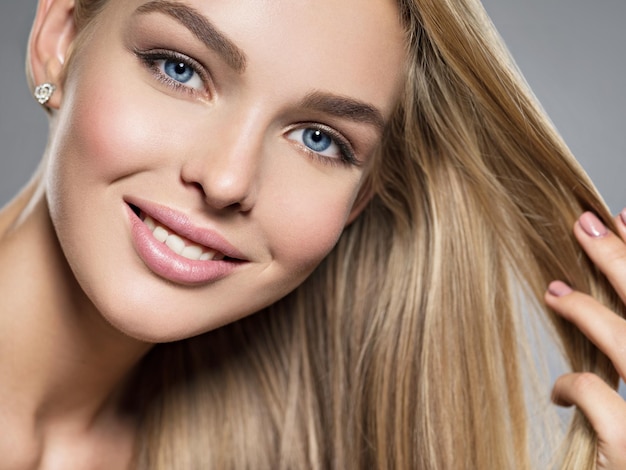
{"points": [[224, 168]]}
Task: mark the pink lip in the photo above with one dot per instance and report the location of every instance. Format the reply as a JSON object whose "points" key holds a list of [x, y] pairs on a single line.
{"points": [[160, 259]]}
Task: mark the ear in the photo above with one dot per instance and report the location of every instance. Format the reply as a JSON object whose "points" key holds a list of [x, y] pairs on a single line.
{"points": [[366, 193], [49, 45]]}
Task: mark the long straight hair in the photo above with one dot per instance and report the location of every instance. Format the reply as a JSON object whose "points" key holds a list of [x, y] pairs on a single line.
{"points": [[404, 349]]}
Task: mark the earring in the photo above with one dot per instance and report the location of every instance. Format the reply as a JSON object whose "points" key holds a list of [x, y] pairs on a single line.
{"points": [[44, 92]]}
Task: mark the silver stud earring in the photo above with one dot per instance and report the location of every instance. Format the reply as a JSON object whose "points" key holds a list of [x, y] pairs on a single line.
{"points": [[44, 92]]}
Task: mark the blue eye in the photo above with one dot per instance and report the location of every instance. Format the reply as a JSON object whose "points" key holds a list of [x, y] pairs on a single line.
{"points": [[176, 70], [318, 141], [179, 71]]}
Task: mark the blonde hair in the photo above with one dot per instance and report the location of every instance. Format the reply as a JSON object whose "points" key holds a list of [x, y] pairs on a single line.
{"points": [[401, 349]]}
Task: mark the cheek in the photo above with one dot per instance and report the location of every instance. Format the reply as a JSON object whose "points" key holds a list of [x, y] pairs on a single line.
{"points": [[107, 134], [309, 221]]}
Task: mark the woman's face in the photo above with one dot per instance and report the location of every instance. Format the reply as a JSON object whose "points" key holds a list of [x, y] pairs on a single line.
{"points": [[208, 154]]}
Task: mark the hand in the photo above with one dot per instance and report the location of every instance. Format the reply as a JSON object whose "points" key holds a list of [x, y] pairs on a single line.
{"points": [[604, 408]]}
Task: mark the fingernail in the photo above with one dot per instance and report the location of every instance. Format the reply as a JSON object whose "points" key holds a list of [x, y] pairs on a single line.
{"points": [[623, 216], [592, 225], [559, 288]]}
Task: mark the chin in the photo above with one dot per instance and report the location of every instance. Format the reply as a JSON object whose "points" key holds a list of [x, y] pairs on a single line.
{"points": [[158, 320]]}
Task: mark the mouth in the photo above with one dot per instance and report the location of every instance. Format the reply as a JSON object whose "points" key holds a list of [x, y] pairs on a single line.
{"points": [[177, 242]]}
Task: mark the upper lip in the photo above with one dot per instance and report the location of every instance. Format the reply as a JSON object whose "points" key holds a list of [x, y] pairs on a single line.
{"points": [[182, 225]]}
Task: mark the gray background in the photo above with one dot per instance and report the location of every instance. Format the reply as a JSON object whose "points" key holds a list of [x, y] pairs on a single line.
{"points": [[571, 52]]}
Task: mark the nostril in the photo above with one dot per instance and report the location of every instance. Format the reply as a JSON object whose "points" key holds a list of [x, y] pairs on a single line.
{"points": [[236, 206], [225, 193], [192, 183], [199, 187]]}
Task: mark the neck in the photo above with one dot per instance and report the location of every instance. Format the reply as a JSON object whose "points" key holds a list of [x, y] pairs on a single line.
{"points": [[62, 364]]}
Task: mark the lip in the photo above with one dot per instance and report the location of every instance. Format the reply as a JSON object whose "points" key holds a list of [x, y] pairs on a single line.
{"points": [[164, 262]]}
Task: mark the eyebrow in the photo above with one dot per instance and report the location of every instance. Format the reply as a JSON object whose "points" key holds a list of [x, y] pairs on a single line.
{"points": [[201, 28], [205, 31], [344, 107]]}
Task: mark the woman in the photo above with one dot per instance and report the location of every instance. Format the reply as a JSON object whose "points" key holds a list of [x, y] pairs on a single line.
{"points": [[373, 189]]}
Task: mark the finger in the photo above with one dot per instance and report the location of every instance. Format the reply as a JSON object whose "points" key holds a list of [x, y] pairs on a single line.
{"points": [[603, 407], [596, 399], [605, 249], [598, 323]]}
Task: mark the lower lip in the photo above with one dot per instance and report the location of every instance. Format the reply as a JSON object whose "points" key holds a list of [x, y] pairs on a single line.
{"points": [[165, 263]]}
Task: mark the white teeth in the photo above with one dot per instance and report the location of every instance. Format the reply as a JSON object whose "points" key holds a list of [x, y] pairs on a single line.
{"points": [[177, 244], [160, 234], [149, 221], [207, 256], [192, 252]]}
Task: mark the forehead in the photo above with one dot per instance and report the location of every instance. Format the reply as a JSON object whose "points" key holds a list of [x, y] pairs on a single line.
{"points": [[348, 46]]}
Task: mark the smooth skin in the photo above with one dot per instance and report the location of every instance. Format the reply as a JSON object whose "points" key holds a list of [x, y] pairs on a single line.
{"points": [[79, 308], [223, 147], [602, 405]]}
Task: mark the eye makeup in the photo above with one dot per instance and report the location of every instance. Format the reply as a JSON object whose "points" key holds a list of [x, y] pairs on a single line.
{"points": [[157, 61]]}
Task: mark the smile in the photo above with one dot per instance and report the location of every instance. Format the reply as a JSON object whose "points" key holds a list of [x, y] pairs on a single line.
{"points": [[178, 244], [175, 248]]}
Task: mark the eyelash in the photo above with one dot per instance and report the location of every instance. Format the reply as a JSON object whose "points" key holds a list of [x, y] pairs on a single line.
{"points": [[347, 158], [150, 58]]}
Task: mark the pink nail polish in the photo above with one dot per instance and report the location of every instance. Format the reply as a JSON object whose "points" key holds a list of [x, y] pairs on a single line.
{"points": [[559, 288], [623, 216], [592, 225]]}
